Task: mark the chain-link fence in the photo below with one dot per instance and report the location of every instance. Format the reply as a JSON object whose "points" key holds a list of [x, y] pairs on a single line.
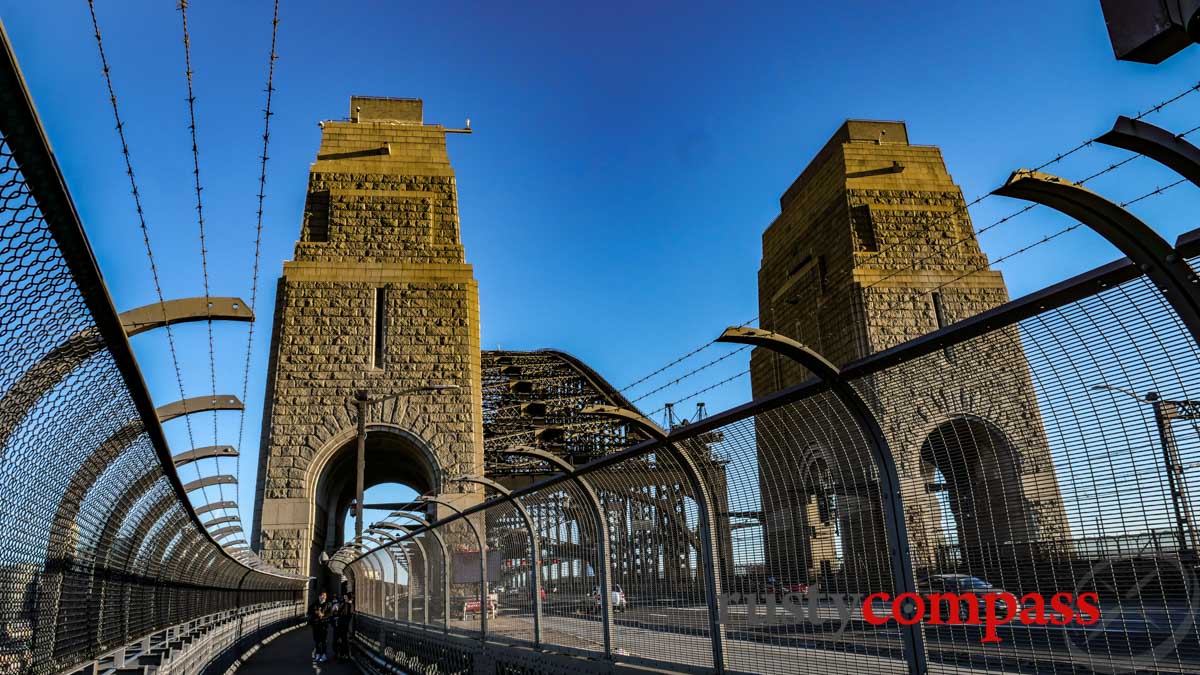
{"points": [[102, 547]]}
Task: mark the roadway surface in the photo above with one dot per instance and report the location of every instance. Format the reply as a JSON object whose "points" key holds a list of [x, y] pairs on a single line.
{"points": [[292, 653]]}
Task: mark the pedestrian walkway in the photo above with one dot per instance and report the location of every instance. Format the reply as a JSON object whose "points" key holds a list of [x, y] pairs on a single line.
{"points": [[292, 653]]}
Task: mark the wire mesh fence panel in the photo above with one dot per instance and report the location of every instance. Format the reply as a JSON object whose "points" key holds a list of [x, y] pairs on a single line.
{"points": [[657, 580], [100, 549], [509, 545], [567, 528], [1036, 473], [802, 540]]}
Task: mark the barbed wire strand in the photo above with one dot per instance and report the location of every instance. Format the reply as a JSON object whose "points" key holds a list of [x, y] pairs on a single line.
{"points": [[212, 359], [137, 202], [258, 229]]}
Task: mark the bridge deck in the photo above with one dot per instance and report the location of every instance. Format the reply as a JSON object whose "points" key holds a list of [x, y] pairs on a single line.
{"points": [[292, 653]]}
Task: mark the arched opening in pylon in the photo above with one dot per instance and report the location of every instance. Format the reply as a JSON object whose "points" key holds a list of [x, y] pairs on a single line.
{"points": [[399, 466], [972, 471]]}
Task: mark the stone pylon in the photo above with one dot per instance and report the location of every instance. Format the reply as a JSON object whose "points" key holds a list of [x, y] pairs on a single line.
{"points": [[874, 247], [378, 298]]}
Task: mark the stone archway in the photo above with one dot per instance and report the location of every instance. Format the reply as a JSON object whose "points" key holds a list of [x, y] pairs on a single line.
{"points": [[393, 455], [980, 471]]}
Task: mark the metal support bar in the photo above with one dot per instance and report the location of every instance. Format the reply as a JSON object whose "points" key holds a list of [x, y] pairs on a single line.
{"points": [[206, 452], [535, 549], [216, 506], [706, 524], [604, 562], [483, 580], [391, 543], [1162, 263], [218, 534], [395, 575], [1156, 143], [190, 406], [184, 310], [221, 521], [208, 481], [889, 477]]}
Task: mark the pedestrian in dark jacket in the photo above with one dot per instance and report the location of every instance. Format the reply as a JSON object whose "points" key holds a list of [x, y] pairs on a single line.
{"points": [[342, 617], [319, 615]]}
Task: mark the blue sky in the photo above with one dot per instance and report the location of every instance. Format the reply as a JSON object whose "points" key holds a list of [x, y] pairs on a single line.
{"points": [[624, 163]]}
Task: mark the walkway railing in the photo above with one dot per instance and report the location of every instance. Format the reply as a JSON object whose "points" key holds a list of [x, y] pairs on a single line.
{"points": [[846, 516], [101, 545]]}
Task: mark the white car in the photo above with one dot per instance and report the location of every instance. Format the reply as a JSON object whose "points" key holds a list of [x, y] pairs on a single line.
{"points": [[618, 598]]}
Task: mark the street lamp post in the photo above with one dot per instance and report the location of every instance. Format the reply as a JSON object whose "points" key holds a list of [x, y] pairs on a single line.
{"points": [[1164, 412], [361, 400]]}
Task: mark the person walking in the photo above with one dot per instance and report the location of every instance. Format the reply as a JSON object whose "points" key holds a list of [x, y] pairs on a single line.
{"points": [[342, 619], [318, 617]]}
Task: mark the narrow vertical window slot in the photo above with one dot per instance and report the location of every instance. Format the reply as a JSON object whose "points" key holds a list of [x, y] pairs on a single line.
{"points": [[940, 312], [380, 336]]}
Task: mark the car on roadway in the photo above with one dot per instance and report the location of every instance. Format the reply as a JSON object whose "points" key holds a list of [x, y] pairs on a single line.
{"points": [[960, 584], [618, 598]]}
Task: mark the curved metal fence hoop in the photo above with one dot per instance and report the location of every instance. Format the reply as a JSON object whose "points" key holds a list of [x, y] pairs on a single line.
{"points": [[1158, 259], [483, 579], [1160, 145], [445, 558]]}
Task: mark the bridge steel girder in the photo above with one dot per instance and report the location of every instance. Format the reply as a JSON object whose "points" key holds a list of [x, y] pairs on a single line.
{"points": [[195, 404], [1156, 143], [535, 548], [183, 310], [604, 564], [705, 512], [889, 478], [43, 376], [483, 580], [1151, 253], [206, 452], [412, 536]]}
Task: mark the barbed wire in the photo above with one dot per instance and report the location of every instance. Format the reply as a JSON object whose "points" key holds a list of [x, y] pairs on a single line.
{"points": [[1055, 235], [690, 373], [141, 216], [701, 391], [258, 228], [680, 359], [212, 359]]}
